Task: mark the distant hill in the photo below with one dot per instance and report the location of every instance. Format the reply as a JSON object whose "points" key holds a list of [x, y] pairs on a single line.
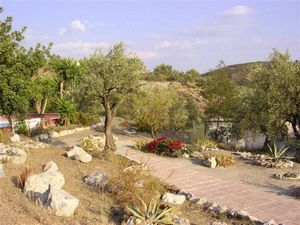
{"points": [[237, 72]]}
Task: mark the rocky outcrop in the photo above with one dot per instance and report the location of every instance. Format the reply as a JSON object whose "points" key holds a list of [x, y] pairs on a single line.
{"points": [[173, 198], [79, 154], [96, 179], [61, 202], [50, 167], [45, 190]]}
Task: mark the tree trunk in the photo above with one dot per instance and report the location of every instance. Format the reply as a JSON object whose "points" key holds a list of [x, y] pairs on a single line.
{"points": [[61, 90], [38, 106], [294, 125], [110, 144], [44, 105], [153, 133], [11, 124]]}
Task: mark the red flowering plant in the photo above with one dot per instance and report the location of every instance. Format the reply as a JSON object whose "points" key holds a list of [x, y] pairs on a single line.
{"points": [[165, 146]]}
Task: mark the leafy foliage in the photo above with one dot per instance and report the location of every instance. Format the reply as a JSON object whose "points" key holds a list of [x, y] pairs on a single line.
{"points": [[67, 111], [17, 66], [113, 76], [272, 98], [221, 100], [158, 109]]}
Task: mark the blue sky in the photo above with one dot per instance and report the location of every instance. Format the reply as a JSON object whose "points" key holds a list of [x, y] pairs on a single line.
{"points": [[186, 34]]}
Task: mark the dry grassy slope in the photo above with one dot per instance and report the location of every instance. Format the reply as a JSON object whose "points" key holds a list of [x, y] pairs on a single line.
{"points": [[185, 91], [237, 72]]}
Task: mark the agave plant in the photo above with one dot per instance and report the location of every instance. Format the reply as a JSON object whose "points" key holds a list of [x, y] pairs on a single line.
{"points": [[277, 153], [152, 214]]}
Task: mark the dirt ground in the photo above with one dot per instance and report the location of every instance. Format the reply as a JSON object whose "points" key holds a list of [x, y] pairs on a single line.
{"points": [[94, 207]]}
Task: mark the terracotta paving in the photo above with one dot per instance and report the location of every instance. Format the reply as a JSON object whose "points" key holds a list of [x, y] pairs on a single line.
{"points": [[259, 202]]}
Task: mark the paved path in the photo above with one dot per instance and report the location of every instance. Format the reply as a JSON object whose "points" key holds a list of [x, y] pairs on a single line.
{"points": [[259, 202]]}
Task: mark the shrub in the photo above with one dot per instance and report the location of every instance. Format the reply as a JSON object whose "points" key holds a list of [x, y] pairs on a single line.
{"points": [[21, 128], [125, 184], [222, 158], [23, 177], [84, 118], [165, 146], [206, 143], [141, 144], [277, 153], [67, 111], [152, 213]]}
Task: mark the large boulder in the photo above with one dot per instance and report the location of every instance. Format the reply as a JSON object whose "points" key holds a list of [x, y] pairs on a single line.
{"points": [[79, 154], [173, 198], [96, 179], [61, 202], [15, 138], [17, 155], [50, 167], [36, 185]]}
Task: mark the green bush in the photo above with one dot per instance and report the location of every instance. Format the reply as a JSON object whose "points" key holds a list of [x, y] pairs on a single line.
{"points": [[67, 111], [21, 128], [84, 119]]}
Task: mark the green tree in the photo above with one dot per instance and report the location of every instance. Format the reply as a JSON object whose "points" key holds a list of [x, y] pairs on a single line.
{"points": [[17, 66], [67, 71], [221, 99], [273, 97], [44, 88], [157, 109], [114, 75]]}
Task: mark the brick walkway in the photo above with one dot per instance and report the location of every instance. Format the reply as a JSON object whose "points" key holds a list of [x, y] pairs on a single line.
{"points": [[183, 174]]}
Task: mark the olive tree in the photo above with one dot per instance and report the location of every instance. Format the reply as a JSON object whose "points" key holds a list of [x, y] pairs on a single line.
{"points": [[156, 109], [113, 76]]}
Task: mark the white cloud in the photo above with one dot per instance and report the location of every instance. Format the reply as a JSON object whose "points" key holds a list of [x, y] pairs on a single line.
{"points": [[147, 54], [62, 31], [238, 10], [180, 44], [77, 25], [79, 49]]}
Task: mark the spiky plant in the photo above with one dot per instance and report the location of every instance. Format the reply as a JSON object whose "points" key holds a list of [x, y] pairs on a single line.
{"points": [[152, 214], [277, 153]]}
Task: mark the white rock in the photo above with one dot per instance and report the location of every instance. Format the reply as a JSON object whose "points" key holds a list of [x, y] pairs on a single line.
{"points": [[219, 223], [19, 156], [202, 201], [96, 179], [79, 154], [211, 162], [173, 199], [15, 138], [63, 203], [37, 185], [54, 134], [271, 222], [50, 167]]}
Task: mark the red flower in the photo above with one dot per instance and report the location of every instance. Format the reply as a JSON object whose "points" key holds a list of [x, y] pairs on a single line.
{"points": [[176, 145], [151, 146]]}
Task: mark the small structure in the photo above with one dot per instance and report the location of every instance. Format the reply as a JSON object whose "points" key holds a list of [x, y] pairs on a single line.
{"points": [[32, 121]]}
